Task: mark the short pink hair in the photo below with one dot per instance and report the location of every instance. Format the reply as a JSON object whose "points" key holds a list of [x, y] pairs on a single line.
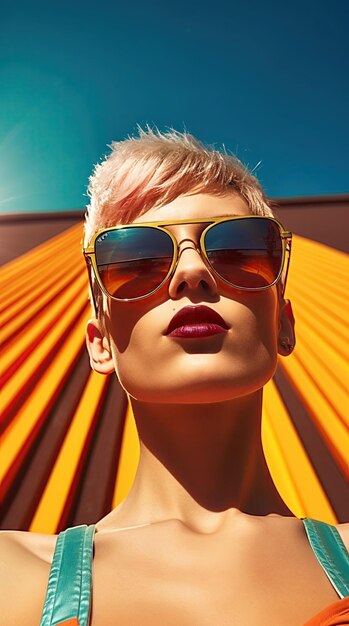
{"points": [[155, 168]]}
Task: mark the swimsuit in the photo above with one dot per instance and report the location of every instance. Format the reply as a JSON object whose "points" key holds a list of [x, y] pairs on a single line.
{"points": [[68, 594]]}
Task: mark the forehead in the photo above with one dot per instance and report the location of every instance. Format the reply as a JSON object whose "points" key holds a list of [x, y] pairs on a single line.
{"points": [[196, 206]]}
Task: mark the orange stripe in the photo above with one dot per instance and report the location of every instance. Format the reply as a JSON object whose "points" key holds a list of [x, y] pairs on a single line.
{"points": [[288, 461], [54, 321], [129, 457], [60, 486], [36, 283], [25, 426], [15, 269], [325, 318], [24, 311], [316, 401]]}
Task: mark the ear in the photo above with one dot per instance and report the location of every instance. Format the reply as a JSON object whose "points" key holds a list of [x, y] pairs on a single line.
{"points": [[286, 335], [98, 347]]}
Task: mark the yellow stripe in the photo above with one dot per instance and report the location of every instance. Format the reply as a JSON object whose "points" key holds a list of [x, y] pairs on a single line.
{"points": [[320, 250], [288, 462], [27, 308], [321, 410], [24, 297], [326, 354], [55, 321], [279, 469], [22, 425], [315, 277], [312, 285], [129, 457], [328, 275], [33, 280], [54, 497], [318, 302], [323, 337], [326, 319], [322, 254], [325, 376], [328, 259], [39, 254], [331, 266]]}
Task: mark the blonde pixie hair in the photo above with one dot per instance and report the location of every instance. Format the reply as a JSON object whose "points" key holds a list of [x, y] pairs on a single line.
{"points": [[153, 169]]}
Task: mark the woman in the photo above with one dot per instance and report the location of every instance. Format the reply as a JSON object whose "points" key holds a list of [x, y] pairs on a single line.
{"points": [[189, 311]]}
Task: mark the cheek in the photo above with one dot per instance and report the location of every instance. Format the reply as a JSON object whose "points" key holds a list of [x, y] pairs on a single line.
{"points": [[250, 354], [136, 344], [259, 327], [130, 323], [258, 338], [255, 320], [142, 365], [120, 322]]}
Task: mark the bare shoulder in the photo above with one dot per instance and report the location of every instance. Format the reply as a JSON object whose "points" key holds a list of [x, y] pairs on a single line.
{"points": [[293, 523], [24, 569], [30, 545], [343, 530]]}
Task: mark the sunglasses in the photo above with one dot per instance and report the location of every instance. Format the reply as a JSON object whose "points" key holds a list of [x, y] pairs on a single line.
{"points": [[133, 261]]}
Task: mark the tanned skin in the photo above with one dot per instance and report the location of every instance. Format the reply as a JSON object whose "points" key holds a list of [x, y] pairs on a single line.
{"points": [[203, 537]]}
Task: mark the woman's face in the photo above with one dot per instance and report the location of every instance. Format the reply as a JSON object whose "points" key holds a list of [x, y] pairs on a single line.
{"points": [[154, 366]]}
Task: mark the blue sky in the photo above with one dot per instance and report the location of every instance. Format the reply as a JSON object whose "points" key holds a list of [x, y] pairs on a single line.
{"points": [[269, 80]]}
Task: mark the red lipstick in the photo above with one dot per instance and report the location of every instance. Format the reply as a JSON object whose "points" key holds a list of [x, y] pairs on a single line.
{"points": [[193, 322]]}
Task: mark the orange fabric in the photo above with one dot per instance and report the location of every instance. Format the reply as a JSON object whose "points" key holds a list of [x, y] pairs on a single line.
{"points": [[336, 614], [73, 621]]}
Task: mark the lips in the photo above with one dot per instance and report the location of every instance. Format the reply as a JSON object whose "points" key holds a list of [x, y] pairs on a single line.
{"points": [[196, 321]]}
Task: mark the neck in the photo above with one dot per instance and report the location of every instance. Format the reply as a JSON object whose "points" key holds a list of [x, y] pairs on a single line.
{"points": [[198, 461]]}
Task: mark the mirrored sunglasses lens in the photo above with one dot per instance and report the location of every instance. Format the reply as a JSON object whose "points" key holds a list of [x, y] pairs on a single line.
{"points": [[245, 252], [133, 262]]}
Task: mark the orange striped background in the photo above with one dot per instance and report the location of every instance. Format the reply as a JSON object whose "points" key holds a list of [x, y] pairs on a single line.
{"points": [[53, 431]]}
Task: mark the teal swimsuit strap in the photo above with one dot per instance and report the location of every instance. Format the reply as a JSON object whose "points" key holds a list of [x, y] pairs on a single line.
{"points": [[331, 553], [70, 581], [69, 584]]}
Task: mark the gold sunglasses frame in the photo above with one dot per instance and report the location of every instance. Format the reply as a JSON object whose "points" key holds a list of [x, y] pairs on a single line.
{"points": [[90, 254]]}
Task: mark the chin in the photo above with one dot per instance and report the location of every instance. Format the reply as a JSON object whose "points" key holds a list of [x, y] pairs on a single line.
{"points": [[199, 379], [199, 391]]}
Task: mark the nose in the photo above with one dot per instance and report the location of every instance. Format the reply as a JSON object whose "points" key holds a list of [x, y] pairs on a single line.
{"points": [[191, 275]]}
